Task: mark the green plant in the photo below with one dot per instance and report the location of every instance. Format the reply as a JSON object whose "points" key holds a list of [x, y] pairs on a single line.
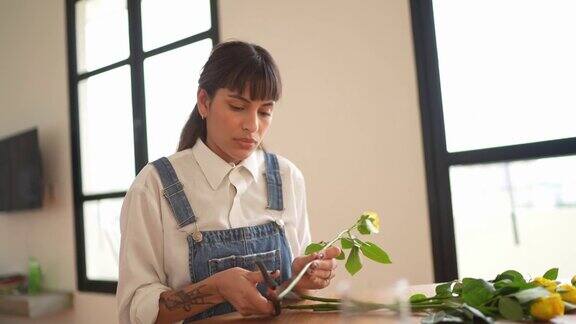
{"points": [[508, 296], [368, 223]]}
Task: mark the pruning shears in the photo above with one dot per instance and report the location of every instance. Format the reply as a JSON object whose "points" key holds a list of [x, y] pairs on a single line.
{"points": [[279, 291]]}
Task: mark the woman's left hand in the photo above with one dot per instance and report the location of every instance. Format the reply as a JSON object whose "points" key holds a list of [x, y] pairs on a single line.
{"points": [[320, 272]]}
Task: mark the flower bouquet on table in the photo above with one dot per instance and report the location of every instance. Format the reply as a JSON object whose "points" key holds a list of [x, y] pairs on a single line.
{"points": [[508, 296]]}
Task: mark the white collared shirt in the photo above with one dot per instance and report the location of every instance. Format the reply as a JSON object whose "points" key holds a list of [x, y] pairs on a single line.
{"points": [[154, 252]]}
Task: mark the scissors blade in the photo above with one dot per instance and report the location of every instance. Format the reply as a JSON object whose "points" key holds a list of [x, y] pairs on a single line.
{"points": [[279, 290]]}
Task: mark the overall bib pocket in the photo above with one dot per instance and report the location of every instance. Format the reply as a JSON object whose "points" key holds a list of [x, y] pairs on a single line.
{"points": [[271, 259]]}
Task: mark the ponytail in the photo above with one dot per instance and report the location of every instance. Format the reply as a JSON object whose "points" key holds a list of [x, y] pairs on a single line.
{"points": [[195, 128]]}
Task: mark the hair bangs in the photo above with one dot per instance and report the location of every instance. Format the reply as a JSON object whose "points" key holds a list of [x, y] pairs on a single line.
{"points": [[262, 80]]}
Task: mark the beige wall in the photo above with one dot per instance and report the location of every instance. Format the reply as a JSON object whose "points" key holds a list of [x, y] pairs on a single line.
{"points": [[34, 92], [349, 119]]}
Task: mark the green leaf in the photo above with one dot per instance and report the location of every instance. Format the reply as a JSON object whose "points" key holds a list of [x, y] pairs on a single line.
{"points": [[476, 291], [510, 309], [374, 252], [353, 264], [457, 288], [341, 256], [346, 243], [417, 298], [506, 286], [443, 290], [314, 247], [367, 227], [528, 295], [507, 290], [551, 274], [358, 242], [363, 217], [511, 275], [502, 283], [476, 315], [363, 229], [489, 310]]}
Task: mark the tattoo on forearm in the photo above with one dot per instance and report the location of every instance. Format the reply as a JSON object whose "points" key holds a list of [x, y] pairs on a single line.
{"points": [[186, 300]]}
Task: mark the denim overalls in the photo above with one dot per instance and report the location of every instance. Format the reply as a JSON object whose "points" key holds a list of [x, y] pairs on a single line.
{"points": [[210, 252]]}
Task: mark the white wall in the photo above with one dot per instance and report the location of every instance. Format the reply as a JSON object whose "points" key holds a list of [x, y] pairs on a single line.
{"points": [[349, 119]]}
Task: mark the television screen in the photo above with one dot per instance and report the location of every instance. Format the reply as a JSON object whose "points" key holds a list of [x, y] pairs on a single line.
{"points": [[20, 172]]}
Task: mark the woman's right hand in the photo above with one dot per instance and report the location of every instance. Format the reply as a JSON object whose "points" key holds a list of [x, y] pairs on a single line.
{"points": [[238, 287]]}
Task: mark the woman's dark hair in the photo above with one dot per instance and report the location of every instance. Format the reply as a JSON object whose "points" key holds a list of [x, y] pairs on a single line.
{"points": [[233, 65]]}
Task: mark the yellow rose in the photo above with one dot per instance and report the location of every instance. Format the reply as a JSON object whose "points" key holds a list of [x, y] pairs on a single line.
{"points": [[548, 307], [550, 285], [568, 293], [368, 223], [373, 217]]}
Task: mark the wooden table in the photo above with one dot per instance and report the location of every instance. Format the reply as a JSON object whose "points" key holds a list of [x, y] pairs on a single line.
{"points": [[336, 317], [309, 317]]}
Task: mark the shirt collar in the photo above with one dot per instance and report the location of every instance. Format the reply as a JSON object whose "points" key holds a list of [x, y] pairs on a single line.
{"points": [[215, 168]]}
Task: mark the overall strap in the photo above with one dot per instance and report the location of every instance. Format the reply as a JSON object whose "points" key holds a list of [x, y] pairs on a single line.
{"points": [[273, 182], [174, 192]]}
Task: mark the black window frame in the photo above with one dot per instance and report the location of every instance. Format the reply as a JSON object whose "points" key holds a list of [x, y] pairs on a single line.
{"points": [[136, 63], [438, 160]]}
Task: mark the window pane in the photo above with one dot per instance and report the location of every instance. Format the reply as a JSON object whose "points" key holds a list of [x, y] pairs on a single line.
{"points": [[106, 132], [519, 215], [171, 83], [101, 33], [507, 71], [102, 238], [166, 21]]}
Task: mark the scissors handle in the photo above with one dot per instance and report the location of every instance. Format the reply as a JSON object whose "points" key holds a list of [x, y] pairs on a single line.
{"points": [[269, 281], [272, 284]]}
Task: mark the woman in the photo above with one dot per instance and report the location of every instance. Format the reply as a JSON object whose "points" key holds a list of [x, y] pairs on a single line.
{"points": [[194, 223]]}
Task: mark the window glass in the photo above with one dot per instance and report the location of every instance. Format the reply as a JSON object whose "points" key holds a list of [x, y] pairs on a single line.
{"points": [[507, 71], [166, 21], [106, 132], [101, 33], [520, 215], [102, 237], [171, 81]]}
